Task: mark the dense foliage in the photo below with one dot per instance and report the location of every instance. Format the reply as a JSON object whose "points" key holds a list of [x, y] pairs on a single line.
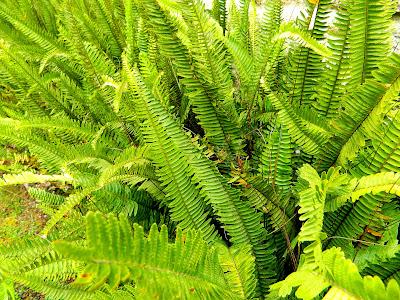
{"points": [[210, 154]]}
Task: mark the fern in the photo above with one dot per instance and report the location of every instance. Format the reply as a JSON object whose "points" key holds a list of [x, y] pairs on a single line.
{"points": [[275, 162], [214, 189], [339, 274], [337, 74], [365, 36], [132, 257], [246, 150], [386, 269]]}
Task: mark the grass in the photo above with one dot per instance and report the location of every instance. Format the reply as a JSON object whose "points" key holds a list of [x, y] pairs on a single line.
{"points": [[19, 215], [19, 218]]}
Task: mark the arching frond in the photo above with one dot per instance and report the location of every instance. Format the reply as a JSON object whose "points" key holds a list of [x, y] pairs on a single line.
{"points": [[304, 127], [213, 187], [113, 254]]}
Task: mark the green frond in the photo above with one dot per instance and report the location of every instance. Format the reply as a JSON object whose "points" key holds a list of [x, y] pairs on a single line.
{"points": [[312, 191], [31, 31], [47, 200], [98, 63], [29, 177], [219, 130], [387, 182], [350, 223], [384, 151], [275, 161], [385, 269], [176, 167], [28, 78], [364, 114], [52, 289], [113, 254], [67, 130], [131, 22], [288, 31], [269, 56], [211, 62], [186, 203], [370, 40], [277, 207], [271, 20], [24, 250], [237, 264], [239, 24], [371, 125], [311, 202], [52, 268], [343, 274], [306, 65], [7, 291], [353, 221], [70, 202], [336, 74], [126, 169], [219, 12], [308, 135], [209, 55], [243, 62], [343, 278], [244, 149], [52, 156]]}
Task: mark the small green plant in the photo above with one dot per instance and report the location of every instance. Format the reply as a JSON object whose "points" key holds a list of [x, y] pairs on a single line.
{"points": [[206, 154]]}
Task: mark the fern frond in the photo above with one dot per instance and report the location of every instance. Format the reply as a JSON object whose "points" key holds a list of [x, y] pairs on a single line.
{"points": [[33, 33], [7, 290], [310, 136], [277, 209], [332, 87], [385, 269], [275, 160], [131, 22], [311, 202], [343, 274], [387, 182], [271, 21], [288, 31], [313, 190], [28, 78], [186, 203], [371, 124], [370, 40], [306, 64], [52, 289], [114, 254], [245, 227], [219, 12], [237, 264], [69, 203], [219, 129], [363, 115], [29, 177], [340, 274]]}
